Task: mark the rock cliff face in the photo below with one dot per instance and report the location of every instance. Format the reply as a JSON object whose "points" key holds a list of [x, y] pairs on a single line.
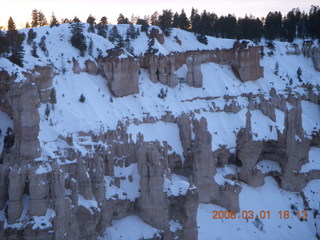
{"points": [[77, 194], [122, 70]]}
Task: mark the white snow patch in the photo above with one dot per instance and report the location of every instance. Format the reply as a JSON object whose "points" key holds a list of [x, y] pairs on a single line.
{"points": [[130, 228], [91, 205], [310, 117], [314, 160], [175, 225], [266, 166], [128, 190], [178, 185], [160, 131]]}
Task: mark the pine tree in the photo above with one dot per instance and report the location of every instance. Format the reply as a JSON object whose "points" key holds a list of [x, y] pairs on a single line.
{"points": [[14, 40], [82, 98], [43, 46], [114, 35], [299, 74], [34, 17], [104, 20], [144, 24], [47, 112], [90, 48], [42, 21], [122, 20], [27, 25], [131, 32], [155, 19], [54, 22], [11, 25], [31, 36], [53, 97], [102, 27], [165, 21], [78, 40], [175, 22], [276, 68], [183, 21], [34, 50], [92, 21]]}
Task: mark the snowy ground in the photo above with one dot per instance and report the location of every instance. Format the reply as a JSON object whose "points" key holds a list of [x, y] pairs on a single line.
{"points": [[271, 198]]}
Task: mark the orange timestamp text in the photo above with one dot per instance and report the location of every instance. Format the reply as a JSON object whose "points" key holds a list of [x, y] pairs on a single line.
{"points": [[260, 214]]}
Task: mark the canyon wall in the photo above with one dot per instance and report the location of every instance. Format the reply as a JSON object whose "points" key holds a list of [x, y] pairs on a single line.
{"points": [[71, 196]]}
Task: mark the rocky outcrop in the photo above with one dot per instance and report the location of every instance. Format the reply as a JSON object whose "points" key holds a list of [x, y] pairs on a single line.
{"points": [[310, 50], [316, 58], [122, 74]]}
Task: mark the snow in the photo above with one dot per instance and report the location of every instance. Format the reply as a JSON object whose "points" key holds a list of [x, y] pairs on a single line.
{"points": [[43, 222], [159, 131], [269, 197], [310, 117], [128, 189], [224, 127], [44, 168], [312, 194], [177, 186], [5, 123], [130, 228], [175, 226], [263, 128], [221, 173], [266, 166], [90, 205], [314, 160]]}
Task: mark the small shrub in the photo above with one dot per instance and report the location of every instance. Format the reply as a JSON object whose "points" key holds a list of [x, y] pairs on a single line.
{"points": [[163, 93], [202, 38], [276, 68], [47, 111], [82, 98]]}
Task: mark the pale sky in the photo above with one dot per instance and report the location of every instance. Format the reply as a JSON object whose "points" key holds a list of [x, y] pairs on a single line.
{"points": [[20, 10]]}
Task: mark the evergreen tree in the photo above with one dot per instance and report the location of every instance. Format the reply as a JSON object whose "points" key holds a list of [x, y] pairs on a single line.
{"points": [[43, 46], [53, 97], [104, 20], [78, 40], [175, 22], [155, 19], [34, 50], [14, 40], [114, 35], [34, 17], [299, 74], [144, 24], [82, 98], [27, 25], [276, 68], [165, 21], [90, 48], [3, 44], [102, 27], [273, 26], [47, 112], [92, 21], [122, 20], [131, 32], [54, 22], [31, 36], [42, 21], [183, 20], [11, 25]]}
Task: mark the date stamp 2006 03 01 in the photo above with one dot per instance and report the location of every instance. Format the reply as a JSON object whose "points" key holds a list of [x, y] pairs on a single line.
{"points": [[302, 215]]}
